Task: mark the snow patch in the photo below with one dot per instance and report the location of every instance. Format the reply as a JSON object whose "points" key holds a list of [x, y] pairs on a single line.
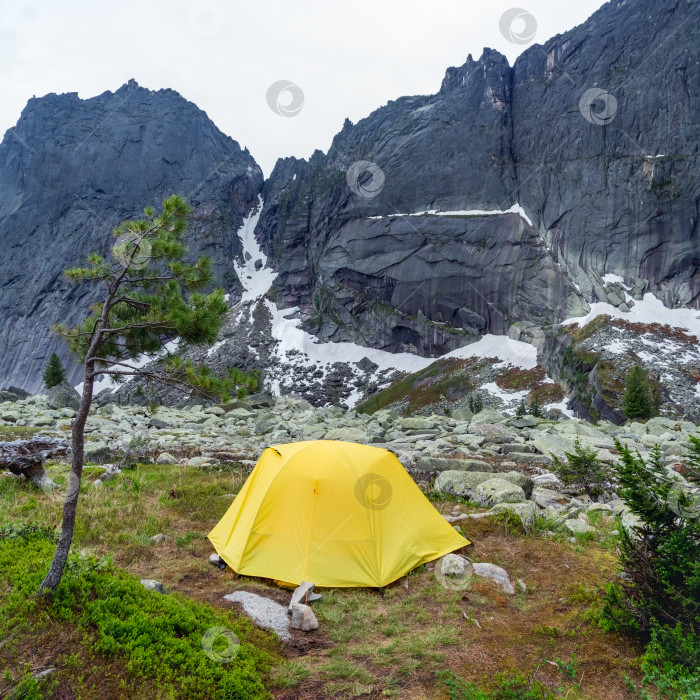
{"points": [[507, 350], [215, 347], [562, 406], [617, 347], [648, 310], [515, 209], [609, 278], [293, 339], [255, 283], [510, 398]]}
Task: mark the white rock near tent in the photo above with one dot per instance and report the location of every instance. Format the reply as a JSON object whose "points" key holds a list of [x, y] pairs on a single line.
{"points": [[303, 618], [496, 574]]}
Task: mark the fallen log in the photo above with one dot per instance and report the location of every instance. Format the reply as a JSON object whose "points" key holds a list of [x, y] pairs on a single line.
{"points": [[26, 457]]}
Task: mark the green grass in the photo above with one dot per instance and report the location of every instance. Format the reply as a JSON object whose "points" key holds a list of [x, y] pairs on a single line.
{"points": [[289, 674], [9, 433], [128, 509]]}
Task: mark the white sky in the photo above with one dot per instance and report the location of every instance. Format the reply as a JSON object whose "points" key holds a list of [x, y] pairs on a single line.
{"points": [[348, 58]]}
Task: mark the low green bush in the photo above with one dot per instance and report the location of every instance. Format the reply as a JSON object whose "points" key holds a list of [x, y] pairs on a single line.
{"points": [[159, 637]]}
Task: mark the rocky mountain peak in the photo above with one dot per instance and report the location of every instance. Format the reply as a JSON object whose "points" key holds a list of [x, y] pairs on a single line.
{"points": [[492, 68], [71, 169]]}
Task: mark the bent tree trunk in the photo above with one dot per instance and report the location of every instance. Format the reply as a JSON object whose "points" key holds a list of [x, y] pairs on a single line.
{"points": [[58, 563]]}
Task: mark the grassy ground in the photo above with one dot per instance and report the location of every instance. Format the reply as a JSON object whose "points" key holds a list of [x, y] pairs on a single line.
{"points": [[367, 646]]}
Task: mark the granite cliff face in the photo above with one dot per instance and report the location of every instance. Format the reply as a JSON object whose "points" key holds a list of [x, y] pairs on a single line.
{"points": [[70, 170], [610, 186]]}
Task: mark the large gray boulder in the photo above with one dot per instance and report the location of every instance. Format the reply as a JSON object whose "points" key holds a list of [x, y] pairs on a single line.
{"points": [[464, 483], [495, 491], [524, 511], [441, 464], [63, 395]]}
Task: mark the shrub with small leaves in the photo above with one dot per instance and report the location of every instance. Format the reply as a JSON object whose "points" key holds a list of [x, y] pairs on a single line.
{"points": [[582, 469]]}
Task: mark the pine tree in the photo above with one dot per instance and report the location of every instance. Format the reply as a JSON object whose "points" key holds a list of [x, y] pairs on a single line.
{"points": [[521, 410], [476, 403], [151, 296], [582, 468], [637, 401], [658, 595], [692, 460], [535, 407], [54, 373]]}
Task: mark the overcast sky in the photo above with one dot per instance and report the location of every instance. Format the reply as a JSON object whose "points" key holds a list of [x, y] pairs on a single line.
{"points": [[346, 58]]}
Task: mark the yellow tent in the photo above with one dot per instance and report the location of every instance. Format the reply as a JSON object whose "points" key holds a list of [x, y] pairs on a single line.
{"points": [[335, 513]]}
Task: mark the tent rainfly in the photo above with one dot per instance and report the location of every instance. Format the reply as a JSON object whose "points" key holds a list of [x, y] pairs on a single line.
{"points": [[335, 513]]}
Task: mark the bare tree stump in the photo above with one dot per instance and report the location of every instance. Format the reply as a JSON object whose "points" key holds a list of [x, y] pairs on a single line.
{"points": [[26, 457]]}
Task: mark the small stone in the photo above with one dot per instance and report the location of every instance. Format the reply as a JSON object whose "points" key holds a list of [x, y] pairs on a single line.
{"points": [[110, 472], [496, 490], [203, 462], [152, 585], [600, 507], [63, 395], [215, 411], [453, 565], [216, 560], [43, 674], [577, 526], [496, 574], [524, 511], [157, 539], [166, 458], [157, 424], [303, 618], [97, 484], [304, 592], [263, 611]]}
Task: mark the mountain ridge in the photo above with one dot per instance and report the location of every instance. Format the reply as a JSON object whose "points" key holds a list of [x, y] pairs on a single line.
{"points": [[507, 202]]}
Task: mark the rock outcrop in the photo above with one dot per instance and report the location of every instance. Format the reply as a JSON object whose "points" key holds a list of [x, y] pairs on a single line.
{"points": [[609, 181], [72, 169], [511, 199]]}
